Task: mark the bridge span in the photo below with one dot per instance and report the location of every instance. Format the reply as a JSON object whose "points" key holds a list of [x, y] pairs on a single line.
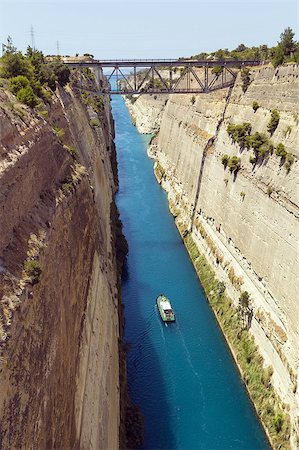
{"points": [[164, 76]]}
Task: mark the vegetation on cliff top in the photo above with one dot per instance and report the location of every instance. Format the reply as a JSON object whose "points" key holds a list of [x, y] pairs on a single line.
{"points": [[286, 50], [30, 77]]}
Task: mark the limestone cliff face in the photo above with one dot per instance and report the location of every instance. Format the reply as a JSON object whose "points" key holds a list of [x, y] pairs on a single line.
{"points": [[59, 285], [250, 219]]}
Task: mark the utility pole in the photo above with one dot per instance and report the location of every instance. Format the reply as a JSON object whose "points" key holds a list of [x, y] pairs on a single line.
{"points": [[32, 37]]}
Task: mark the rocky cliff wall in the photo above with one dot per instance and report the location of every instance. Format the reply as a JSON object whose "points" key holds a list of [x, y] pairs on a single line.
{"points": [[246, 223], [59, 283]]}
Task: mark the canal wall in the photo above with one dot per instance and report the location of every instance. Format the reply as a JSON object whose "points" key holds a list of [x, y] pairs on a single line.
{"points": [[61, 252], [245, 222]]}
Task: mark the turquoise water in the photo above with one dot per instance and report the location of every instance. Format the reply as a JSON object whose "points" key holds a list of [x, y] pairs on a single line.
{"points": [[182, 375]]}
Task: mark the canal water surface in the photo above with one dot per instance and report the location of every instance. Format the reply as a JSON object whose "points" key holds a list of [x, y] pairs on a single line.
{"points": [[182, 375]]}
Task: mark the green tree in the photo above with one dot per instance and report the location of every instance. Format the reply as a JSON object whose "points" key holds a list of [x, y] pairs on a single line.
{"points": [[9, 47], [273, 122], [219, 54], [287, 42], [245, 77], [234, 164], [278, 57], [255, 105], [280, 151], [241, 48], [17, 83], [224, 160], [245, 309]]}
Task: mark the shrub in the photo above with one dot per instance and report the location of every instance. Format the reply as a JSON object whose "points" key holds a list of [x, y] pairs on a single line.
{"points": [[44, 113], [289, 161], [18, 83], [245, 308], [27, 96], [280, 151], [234, 164], [221, 287], [269, 190], [287, 131], [72, 150], [278, 422], [217, 70], [66, 188], [273, 123], [33, 270], [245, 77], [255, 106], [14, 64], [95, 123], [192, 100], [296, 117], [239, 133], [242, 194], [224, 160], [59, 132], [257, 140]]}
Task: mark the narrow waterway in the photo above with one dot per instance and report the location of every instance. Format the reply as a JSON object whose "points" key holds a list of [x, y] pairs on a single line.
{"points": [[182, 375]]}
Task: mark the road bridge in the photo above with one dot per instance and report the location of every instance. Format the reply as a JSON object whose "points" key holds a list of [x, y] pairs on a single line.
{"points": [[164, 76]]}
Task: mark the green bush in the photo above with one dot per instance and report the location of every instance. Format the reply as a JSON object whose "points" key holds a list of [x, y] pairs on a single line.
{"points": [[72, 150], [44, 113], [27, 96], [288, 161], [239, 133], [257, 141], [217, 70], [95, 123], [18, 83], [273, 123], [234, 164], [59, 132], [255, 106], [192, 100], [280, 151], [245, 77], [66, 188], [33, 270], [224, 160]]}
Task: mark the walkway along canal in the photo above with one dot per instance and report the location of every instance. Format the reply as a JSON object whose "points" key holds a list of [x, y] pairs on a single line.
{"points": [[182, 375]]}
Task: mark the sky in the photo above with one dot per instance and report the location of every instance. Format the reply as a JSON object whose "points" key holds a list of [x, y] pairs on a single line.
{"points": [[144, 29]]}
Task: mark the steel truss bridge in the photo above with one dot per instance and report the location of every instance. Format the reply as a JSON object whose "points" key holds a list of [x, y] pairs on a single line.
{"points": [[164, 76]]}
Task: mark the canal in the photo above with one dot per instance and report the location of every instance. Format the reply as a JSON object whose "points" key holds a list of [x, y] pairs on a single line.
{"points": [[182, 375]]}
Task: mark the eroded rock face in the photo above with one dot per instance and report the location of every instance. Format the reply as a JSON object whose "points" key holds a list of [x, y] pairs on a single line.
{"points": [[250, 217], [59, 330]]}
